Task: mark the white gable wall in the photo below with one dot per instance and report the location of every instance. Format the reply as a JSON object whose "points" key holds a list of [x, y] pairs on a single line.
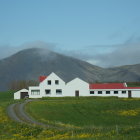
{"points": [[77, 85], [53, 86], [17, 95]]}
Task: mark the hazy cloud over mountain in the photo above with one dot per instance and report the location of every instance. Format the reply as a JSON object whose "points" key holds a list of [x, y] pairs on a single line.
{"points": [[7, 50], [126, 55], [112, 55], [101, 55]]}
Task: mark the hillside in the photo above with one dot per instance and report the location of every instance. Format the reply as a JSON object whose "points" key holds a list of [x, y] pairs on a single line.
{"points": [[29, 64], [128, 73]]}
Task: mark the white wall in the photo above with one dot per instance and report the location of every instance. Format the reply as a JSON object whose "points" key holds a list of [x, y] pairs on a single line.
{"points": [[53, 87], [17, 95], [120, 94], [35, 95], [67, 89], [77, 84], [136, 93]]}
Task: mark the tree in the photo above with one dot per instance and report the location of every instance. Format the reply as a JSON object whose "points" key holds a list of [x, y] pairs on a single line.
{"points": [[17, 85]]}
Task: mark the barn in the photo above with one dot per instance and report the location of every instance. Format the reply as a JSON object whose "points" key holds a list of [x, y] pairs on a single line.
{"points": [[114, 89]]}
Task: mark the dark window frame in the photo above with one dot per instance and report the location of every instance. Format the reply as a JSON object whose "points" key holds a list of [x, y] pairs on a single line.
{"points": [[49, 82], [107, 92], [92, 92], [124, 92], [59, 91], [57, 82], [100, 92], [116, 92], [35, 92], [46, 91]]}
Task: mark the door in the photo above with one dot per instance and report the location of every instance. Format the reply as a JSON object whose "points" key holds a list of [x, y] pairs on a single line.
{"points": [[129, 94], [23, 95], [77, 93]]}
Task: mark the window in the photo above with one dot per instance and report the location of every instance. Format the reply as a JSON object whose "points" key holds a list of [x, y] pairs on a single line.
{"points": [[56, 82], [35, 92], [48, 91], [91, 92], [99, 92], [107, 92], [123, 92], [115, 92], [49, 82], [59, 91]]}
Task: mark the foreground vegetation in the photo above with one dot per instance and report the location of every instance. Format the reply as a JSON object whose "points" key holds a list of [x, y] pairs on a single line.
{"points": [[94, 117], [87, 111], [84, 118]]}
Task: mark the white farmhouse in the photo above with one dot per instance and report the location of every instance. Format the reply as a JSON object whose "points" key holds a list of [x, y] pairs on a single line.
{"points": [[54, 86], [51, 86]]}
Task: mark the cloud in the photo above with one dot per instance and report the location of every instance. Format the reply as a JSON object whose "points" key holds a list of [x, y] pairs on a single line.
{"points": [[132, 39], [89, 52], [100, 55], [112, 55], [126, 55], [38, 44], [8, 50]]}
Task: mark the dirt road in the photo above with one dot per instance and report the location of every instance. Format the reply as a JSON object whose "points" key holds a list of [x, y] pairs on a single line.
{"points": [[17, 113]]}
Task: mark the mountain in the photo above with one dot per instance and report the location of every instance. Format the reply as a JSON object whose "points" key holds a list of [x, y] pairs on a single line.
{"points": [[29, 64], [128, 73]]}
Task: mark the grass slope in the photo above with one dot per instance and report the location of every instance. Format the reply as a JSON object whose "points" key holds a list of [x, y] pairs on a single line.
{"points": [[81, 119], [98, 117], [87, 111]]}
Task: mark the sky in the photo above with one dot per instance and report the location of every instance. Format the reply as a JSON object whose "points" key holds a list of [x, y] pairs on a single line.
{"points": [[102, 32]]}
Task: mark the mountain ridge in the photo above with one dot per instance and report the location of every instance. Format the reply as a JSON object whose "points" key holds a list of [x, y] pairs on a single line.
{"points": [[29, 64]]}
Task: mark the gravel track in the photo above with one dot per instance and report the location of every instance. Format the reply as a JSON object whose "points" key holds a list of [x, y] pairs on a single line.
{"points": [[17, 113]]}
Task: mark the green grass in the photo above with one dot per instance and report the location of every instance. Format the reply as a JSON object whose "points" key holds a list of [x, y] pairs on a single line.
{"points": [[88, 111], [84, 118], [99, 117], [133, 84], [10, 130]]}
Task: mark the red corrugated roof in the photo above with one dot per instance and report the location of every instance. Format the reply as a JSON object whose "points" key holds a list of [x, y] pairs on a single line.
{"points": [[107, 86], [42, 78]]}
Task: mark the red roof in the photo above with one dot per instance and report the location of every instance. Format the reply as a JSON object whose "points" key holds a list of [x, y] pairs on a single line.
{"points": [[107, 86], [42, 78]]}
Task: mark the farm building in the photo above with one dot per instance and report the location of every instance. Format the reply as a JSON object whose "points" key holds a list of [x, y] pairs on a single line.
{"points": [[54, 86], [21, 94]]}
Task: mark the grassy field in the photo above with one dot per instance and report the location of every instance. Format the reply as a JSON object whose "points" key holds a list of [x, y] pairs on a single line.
{"points": [[87, 111], [133, 84], [75, 119], [95, 116]]}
